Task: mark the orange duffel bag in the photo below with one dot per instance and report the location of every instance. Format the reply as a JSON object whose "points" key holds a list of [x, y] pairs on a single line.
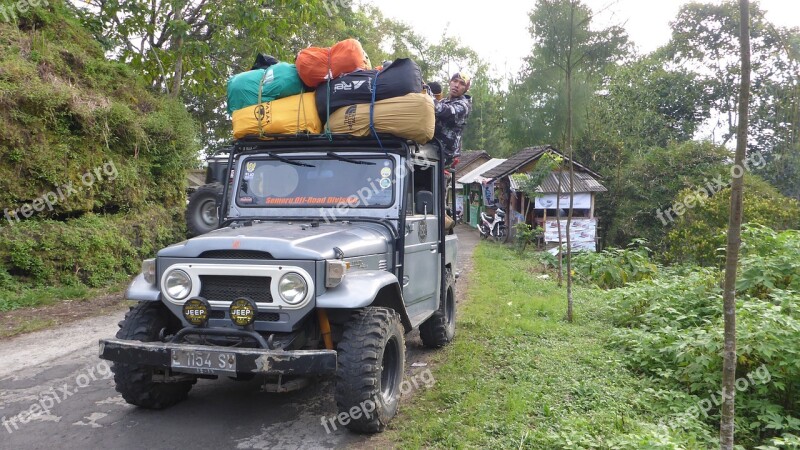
{"points": [[316, 64], [288, 115]]}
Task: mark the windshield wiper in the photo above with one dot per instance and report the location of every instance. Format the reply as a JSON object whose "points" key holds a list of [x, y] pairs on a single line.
{"points": [[288, 161], [351, 161]]}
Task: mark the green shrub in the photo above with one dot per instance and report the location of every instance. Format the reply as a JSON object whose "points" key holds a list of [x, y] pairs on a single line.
{"points": [[525, 235], [615, 267], [671, 329], [91, 251], [699, 235]]}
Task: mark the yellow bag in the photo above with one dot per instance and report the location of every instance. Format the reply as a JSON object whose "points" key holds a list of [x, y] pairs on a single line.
{"points": [[409, 116], [288, 115]]}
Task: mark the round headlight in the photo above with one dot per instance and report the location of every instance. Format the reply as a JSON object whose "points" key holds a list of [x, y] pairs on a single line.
{"points": [[292, 288], [178, 284]]}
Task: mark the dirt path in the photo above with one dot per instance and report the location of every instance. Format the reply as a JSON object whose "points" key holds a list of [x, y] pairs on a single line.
{"points": [[58, 370]]}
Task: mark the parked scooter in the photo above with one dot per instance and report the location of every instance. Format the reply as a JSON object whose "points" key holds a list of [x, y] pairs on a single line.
{"points": [[493, 225], [459, 217]]}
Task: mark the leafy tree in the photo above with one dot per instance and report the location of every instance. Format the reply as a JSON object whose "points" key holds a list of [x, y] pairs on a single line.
{"points": [[735, 238], [530, 182], [564, 40], [642, 107], [537, 101], [705, 40], [642, 199], [193, 45], [648, 104]]}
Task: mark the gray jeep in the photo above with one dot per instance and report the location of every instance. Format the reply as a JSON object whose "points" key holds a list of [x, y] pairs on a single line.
{"points": [[329, 251]]}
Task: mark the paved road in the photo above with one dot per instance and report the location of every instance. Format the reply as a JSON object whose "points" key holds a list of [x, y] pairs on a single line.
{"points": [[58, 370]]}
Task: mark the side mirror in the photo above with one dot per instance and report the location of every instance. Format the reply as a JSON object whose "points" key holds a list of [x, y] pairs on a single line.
{"points": [[423, 202]]}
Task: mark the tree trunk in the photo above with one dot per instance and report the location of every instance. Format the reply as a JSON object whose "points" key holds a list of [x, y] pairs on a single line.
{"points": [[568, 71], [177, 47], [558, 224], [571, 197], [177, 78], [726, 427]]}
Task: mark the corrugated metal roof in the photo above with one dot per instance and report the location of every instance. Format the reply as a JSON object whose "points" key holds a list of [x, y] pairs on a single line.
{"points": [[525, 157], [583, 182], [513, 163], [469, 157], [474, 176]]}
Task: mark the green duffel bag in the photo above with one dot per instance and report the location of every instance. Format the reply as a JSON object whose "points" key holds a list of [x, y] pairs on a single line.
{"points": [[276, 81]]}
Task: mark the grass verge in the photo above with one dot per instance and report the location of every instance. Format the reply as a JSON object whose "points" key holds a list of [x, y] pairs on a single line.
{"points": [[50, 307], [518, 376]]}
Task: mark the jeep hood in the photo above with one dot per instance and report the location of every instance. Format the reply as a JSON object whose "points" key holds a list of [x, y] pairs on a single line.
{"points": [[290, 240]]}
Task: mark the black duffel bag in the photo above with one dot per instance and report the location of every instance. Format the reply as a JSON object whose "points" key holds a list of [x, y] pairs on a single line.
{"points": [[400, 78]]}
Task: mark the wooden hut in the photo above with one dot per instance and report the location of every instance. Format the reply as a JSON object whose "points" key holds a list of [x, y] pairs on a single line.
{"points": [[552, 196]]}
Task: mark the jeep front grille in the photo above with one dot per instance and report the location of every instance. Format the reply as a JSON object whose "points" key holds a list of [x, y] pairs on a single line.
{"points": [[229, 288], [268, 317], [236, 254]]}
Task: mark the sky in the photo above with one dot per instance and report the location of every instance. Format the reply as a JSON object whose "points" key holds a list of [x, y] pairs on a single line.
{"points": [[498, 30]]}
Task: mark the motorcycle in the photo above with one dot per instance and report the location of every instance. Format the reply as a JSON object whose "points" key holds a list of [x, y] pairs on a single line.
{"points": [[493, 225], [459, 217]]}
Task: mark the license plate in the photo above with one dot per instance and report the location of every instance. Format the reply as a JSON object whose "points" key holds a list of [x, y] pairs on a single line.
{"points": [[209, 362]]}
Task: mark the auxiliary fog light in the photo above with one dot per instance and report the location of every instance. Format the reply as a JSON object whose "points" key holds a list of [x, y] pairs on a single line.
{"points": [[243, 311], [196, 311]]}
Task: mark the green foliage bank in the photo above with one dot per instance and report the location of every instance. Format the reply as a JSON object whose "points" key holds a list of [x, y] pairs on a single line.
{"points": [[64, 112], [668, 325]]}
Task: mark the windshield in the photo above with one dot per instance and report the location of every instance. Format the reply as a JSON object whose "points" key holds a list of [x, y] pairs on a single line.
{"points": [[331, 181]]}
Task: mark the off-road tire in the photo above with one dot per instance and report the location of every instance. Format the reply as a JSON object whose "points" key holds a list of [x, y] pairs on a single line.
{"points": [[440, 328], [201, 212], [145, 322], [371, 359]]}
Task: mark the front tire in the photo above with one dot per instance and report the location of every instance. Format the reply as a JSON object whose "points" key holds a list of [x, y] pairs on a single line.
{"points": [[440, 328], [484, 231], [370, 369], [145, 322]]}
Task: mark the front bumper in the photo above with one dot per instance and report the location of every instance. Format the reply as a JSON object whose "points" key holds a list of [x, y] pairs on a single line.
{"points": [[248, 360]]}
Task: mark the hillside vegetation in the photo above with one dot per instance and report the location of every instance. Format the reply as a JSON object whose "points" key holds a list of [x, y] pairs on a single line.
{"points": [[92, 164]]}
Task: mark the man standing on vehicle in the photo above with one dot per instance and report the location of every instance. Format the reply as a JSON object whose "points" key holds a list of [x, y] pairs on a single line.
{"points": [[451, 117]]}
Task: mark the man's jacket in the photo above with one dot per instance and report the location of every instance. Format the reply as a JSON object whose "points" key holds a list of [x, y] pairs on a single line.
{"points": [[451, 118]]}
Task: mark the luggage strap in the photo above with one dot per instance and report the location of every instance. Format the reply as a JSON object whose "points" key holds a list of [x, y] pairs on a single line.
{"points": [[261, 116], [302, 109], [327, 130], [372, 110]]}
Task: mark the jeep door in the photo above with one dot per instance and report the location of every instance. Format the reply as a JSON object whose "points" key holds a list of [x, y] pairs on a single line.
{"points": [[422, 259]]}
